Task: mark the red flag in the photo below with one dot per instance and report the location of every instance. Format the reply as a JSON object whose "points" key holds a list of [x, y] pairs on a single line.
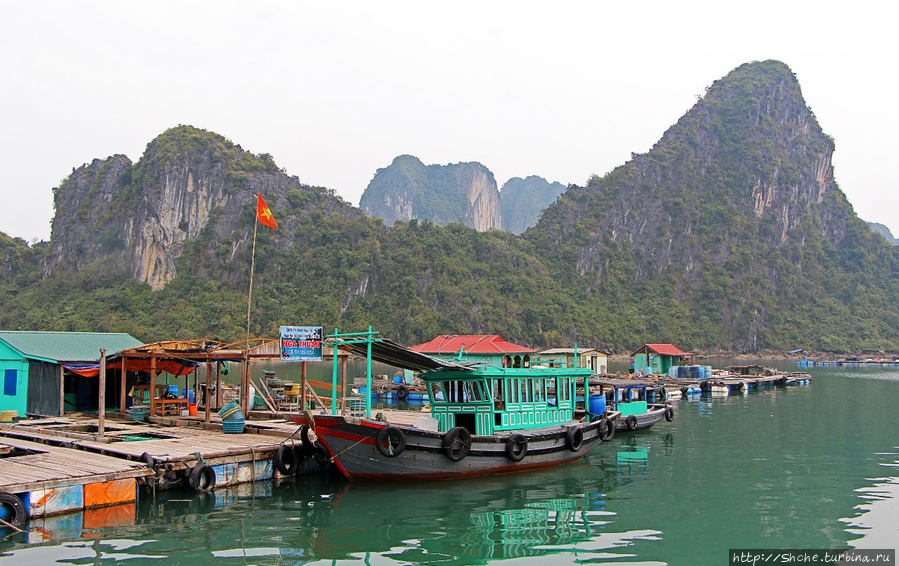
{"points": [[264, 214]]}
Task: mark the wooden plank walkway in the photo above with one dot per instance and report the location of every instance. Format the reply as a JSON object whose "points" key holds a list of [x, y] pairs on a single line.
{"points": [[173, 448], [30, 466]]}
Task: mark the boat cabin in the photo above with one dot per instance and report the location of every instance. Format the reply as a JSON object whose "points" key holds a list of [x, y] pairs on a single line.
{"points": [[496, 399], [625, 395]]}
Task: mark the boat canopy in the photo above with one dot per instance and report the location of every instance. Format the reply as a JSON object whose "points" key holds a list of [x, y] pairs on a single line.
{"points": [[393, 354]]}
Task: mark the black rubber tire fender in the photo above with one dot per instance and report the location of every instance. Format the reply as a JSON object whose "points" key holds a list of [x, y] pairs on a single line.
{"points": [[320, 453], [574, 438], [148, 459], [669, 414], [286, 460], [663, 393], [402, 392], [16, 508], [516, 447], [606, 429], [202, 478], [457, 443], [304, 436], [631, 422], [390, 441]]}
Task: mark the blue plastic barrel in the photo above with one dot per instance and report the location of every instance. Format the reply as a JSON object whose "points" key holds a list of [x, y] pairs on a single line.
{"points": [[597, 406]]}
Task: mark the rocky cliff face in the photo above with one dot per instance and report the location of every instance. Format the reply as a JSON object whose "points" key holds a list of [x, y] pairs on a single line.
{"points": [[190, 186], [443, 194]]}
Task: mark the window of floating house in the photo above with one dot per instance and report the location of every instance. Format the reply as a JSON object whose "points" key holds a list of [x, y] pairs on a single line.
{"points": [[9, 382]]}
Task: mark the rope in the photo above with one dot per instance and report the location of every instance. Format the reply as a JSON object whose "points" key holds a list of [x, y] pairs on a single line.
{"points": [[351, 446]]}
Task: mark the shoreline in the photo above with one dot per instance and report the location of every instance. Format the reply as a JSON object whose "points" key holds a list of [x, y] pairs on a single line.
{"points": [[778, 355]]}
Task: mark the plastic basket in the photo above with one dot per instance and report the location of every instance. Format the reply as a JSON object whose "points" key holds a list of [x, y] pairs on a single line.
{"points": [[228, 407], [233, 426], [234, 415], [138, 413]]}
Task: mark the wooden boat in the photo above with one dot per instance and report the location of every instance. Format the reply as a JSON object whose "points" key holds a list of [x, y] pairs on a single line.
{"points": [[628, 397], [483, 421]]}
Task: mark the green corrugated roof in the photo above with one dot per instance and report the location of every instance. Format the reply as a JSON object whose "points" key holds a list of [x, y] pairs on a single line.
{"points": [[68, 346]]}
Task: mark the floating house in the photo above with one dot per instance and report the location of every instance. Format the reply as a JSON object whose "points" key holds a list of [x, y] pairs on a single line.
{"points": [[488, 349], [660, 358], [588, 358], [43, 372]]}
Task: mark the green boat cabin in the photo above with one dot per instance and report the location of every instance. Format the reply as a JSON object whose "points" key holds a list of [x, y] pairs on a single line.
{"points": [[497, 399], [625, 395]]}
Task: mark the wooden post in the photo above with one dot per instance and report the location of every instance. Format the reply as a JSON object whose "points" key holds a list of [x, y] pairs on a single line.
{"points": [[122, 391], [207, 398], [102, 411], [303, 397], [218, 385], [245, 382], [153, 384], [62, 391]]}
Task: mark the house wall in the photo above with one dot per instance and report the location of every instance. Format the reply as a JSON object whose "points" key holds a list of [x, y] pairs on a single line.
{"points": [[13, 380], [43, 389]]}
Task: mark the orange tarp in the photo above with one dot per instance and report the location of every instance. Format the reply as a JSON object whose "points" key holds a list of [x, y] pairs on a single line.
{"points": [[110, 493]]}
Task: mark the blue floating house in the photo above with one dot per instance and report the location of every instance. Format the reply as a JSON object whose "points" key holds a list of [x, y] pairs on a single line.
{"points": [[40, 370]]}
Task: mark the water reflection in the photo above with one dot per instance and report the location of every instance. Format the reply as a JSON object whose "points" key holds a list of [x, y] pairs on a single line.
{"points": [[557, 515], [876, 522]]}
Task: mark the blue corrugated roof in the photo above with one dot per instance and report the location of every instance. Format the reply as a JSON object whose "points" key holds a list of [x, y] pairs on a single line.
{"points": [[68, 346]]}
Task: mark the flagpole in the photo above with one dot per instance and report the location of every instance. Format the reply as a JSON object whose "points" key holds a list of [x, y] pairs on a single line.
{"points": [[252, 269]]}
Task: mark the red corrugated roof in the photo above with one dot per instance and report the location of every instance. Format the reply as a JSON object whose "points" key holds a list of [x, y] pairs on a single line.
{"points": [[473, 344], [664, 349]]}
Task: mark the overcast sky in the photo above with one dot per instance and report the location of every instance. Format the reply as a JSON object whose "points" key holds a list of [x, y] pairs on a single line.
{"points": [[335, 90]]}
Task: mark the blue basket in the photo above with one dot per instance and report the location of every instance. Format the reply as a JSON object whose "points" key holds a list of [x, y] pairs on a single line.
{"points": [[233, 426]]}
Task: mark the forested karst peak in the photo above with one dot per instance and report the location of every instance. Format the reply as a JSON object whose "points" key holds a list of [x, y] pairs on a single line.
{"points": [[729, 234]]}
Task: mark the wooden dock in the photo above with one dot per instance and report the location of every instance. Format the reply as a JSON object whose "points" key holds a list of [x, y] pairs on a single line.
{"points": [[60, 465]]}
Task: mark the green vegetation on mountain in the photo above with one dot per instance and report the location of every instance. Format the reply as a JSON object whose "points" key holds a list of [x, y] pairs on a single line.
{"points": [[523, 200], [730, 234]]}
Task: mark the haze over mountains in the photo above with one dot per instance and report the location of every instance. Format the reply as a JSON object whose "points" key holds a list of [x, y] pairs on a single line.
{"points": [[729, 234]]}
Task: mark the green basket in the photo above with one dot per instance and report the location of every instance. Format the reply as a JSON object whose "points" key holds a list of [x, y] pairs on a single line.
{"points": [[233, 426]]}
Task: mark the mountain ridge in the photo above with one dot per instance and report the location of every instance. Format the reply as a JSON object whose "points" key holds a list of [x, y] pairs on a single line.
{"points": [[729, 234]]}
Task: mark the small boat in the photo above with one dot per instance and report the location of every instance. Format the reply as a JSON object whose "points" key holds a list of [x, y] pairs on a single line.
{"points": [[483, 421], [628, 397]]}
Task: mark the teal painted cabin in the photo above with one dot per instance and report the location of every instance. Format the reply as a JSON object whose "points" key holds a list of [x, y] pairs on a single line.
{"points": [[36, 379], [660, 358]]}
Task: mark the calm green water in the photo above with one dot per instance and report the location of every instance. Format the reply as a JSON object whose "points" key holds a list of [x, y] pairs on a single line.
{"points": [[797, 467]]}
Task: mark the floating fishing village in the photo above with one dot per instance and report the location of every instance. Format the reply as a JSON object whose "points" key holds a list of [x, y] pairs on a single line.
{"points": [[90, 420]]}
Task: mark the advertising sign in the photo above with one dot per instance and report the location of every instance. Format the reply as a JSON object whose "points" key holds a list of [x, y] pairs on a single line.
{"points": [[301, 343]]}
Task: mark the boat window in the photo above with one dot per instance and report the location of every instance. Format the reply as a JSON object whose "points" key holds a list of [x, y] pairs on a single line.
{"points": [[499, 397], [527, 390], [514, 392], [457, 391], [563, 389], [473, 391], [638, 394], [539, 390], [437, 393]]}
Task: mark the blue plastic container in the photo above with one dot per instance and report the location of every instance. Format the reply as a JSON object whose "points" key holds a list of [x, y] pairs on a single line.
{"points": [[597, 406]]}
